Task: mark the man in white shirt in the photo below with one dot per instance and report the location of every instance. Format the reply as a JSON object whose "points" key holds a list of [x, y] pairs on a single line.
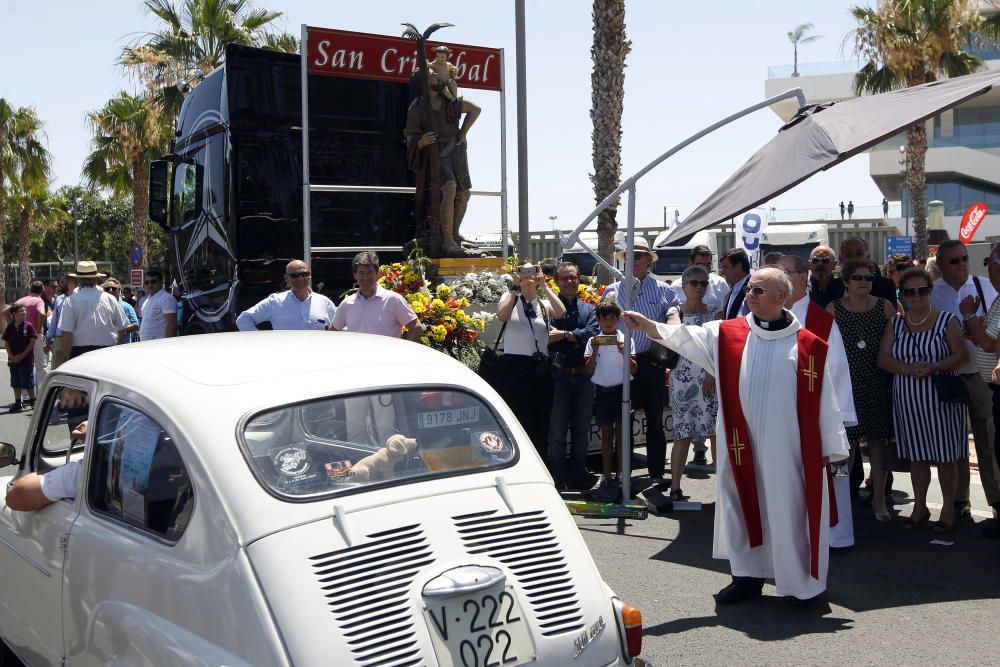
{"points": [[296, 309], [718, 289], [33, 491], [90, 319], [158, 316], [954, 285]]}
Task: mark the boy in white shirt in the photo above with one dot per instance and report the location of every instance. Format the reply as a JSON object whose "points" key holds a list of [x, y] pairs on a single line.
{"points": [[604, 362]]}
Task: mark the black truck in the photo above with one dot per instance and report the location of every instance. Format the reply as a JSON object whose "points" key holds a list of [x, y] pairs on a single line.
{"points": [[229, 193]]}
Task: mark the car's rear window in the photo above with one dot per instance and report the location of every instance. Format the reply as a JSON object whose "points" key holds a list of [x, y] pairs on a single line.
{"points": [[343, 443]]}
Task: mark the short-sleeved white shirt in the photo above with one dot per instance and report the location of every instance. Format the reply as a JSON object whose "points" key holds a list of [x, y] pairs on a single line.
{"points": [[987, 361], [151, 323], [608, 367], [93, 317], [63, 482], [285, 311]]}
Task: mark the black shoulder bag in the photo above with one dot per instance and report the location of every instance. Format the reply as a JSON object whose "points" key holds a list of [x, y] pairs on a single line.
{"points": [[490, 363]]}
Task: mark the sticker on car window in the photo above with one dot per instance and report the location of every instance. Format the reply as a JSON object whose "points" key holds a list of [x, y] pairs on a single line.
{"points": [[491, 442], [339, 469], [454, 417]]}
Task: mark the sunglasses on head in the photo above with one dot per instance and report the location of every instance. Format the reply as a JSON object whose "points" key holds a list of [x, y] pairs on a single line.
{"points": [[955, 260], [857, 277], [757, 291], [697, 283], [914, 291], [299, 274], [820, 260]]}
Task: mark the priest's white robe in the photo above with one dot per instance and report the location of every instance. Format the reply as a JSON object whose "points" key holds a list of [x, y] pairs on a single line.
{"points": [[841, 535], [768, 396]]}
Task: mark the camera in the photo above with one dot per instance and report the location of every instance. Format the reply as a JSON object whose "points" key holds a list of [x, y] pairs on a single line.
{"points": [[527, 271]]}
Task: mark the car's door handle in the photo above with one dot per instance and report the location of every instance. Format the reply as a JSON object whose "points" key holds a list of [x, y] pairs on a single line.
{"points": [[464, 579]]}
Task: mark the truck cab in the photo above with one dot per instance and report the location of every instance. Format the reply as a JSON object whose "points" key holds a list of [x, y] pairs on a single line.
{"points": [[798, 239], [673, 259], [229, 193]]}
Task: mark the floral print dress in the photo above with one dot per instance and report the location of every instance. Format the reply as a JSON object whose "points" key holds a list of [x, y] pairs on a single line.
{"points": [[693, 412]]}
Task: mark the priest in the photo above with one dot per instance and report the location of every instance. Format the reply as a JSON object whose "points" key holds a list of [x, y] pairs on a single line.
{"points": [[822, 323], [778, 428]]}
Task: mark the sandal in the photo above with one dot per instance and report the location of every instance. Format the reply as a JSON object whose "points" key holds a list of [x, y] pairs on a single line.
{"points": [[940, 527], [678, 495], [910, 522]]}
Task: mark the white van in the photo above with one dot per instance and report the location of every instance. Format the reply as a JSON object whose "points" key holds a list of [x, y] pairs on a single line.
{"points": [[673, 259], [584, 260], [793, 239]]}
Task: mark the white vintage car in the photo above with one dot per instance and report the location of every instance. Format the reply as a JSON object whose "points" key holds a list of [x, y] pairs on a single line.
{"points": [[294, 498]]}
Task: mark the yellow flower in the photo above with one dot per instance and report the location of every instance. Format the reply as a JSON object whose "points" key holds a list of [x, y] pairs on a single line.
{"points": [[443, 290], [424, 340], [438, 303], [438, 333], [463, 302], [418, 307]]}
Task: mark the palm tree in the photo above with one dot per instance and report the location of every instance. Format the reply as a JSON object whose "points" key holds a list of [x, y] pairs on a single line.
{"points": [[907, 43], [797, 37], [24, 161], [607, 81], [193, 37], [35, 206], [128, 135]]}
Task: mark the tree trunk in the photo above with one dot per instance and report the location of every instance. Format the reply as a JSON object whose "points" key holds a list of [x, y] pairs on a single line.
{"points": [[3, 266], [607, 82], [140, 209], [24, 249], [916, 185]]}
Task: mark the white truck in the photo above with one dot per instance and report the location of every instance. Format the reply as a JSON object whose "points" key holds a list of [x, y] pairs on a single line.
{"points": [[673, 259], [797, 239]]}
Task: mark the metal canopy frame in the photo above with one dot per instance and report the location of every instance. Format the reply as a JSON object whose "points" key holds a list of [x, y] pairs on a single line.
{"points": [[308, 188], [627, 280]]}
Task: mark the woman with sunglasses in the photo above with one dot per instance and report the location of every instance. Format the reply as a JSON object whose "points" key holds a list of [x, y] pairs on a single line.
{"points": [[915, 346], [692, 390], [862, 319]]}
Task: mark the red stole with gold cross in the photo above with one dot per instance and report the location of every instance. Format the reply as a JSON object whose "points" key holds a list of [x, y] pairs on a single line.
{"points": [[733, 335], [820, 322]]}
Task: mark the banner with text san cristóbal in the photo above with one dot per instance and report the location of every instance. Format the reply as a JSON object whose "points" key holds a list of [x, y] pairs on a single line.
{"points": [[365, 56]]}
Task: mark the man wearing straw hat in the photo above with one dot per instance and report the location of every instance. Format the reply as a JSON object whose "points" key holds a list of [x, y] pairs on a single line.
{"points": [[90, 319]]}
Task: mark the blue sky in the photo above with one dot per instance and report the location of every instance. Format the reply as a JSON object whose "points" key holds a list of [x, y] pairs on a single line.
{"points": [[691, 64]]}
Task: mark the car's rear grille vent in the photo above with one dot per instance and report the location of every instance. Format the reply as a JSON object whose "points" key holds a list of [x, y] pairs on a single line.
{"points": [[527, 545], [368, 590]]}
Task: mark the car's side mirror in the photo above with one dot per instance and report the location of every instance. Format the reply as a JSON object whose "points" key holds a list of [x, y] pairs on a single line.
{"points": [[158, 191], [8, 454]]}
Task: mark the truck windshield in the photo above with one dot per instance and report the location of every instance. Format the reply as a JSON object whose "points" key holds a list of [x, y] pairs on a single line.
{"points": [[346, 443], [802, 250], [584, 262], [670, 261]]}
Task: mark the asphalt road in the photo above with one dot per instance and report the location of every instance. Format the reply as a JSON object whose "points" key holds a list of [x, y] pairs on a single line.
{"points": [[894, 599]]}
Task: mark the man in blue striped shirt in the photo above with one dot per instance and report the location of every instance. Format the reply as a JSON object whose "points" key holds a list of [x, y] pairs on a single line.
{"points": [[653, 299]]}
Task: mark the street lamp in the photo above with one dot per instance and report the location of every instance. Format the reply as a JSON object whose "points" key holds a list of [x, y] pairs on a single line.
{"points": [[905, 164], [76, 242], [553, 219]]}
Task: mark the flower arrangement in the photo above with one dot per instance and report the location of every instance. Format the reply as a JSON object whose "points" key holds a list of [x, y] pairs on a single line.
{"points": [[440, 308]]}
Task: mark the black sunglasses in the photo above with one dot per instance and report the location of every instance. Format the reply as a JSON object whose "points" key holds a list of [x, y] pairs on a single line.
{"points": [[757, 291], [299, 274], [913, 291], [857, 277], [697, 283], [955, 260], [150, 282], [820, 260]]}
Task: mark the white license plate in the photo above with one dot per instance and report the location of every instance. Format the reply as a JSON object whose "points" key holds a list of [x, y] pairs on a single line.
{"points": [[485, 629], [454, 417]]}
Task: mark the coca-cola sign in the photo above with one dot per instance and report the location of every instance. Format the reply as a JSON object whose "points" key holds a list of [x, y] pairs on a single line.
{"points": [[974, 216], [363, 56]]}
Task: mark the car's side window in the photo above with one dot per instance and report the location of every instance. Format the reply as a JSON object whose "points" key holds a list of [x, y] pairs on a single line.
{"points": [[136, 473], [64, 427]]}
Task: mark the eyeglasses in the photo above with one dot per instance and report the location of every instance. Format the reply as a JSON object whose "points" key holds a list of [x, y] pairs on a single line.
{"points": [[112, 289], [857, 277], [569, 279], [697, 283], [150, 282], [299, 274], [820, 260], [757, 291], [955, 260], [914, 291]]}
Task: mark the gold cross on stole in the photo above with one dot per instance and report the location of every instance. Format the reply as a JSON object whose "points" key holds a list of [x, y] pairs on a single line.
{"points": [[737, 447], [811, 373]]}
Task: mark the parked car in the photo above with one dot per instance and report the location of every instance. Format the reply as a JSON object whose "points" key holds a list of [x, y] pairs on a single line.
{"points": [[294, 498]]}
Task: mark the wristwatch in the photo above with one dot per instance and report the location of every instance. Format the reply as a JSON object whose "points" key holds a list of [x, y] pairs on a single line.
{"points": [[565, 335]]}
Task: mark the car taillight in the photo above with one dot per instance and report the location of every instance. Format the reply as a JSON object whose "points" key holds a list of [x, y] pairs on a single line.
{"points": [[632, 620]]}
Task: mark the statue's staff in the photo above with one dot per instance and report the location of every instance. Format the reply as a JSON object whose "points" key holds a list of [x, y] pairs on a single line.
{"points": [[434, 157]]}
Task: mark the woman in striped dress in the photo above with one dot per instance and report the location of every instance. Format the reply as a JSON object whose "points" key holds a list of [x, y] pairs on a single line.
{"points": [[915, 345]]}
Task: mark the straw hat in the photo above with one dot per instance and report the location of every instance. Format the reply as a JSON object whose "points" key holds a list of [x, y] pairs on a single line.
{"points": [[86, 269]]}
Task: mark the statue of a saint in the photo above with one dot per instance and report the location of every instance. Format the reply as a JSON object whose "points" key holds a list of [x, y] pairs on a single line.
{"points": [[445, 71], [443, 130]]}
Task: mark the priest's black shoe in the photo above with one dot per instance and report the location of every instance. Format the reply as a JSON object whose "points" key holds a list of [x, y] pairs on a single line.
{"points": [[740, 590], [799, 603]]}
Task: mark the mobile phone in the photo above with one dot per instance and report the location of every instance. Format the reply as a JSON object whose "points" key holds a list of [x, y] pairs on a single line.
{"points": [[606, 339]]}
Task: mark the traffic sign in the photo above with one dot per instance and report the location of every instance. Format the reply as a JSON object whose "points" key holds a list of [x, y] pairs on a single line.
{"points": [[135, 277], [899, 244], [135, 255]]}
